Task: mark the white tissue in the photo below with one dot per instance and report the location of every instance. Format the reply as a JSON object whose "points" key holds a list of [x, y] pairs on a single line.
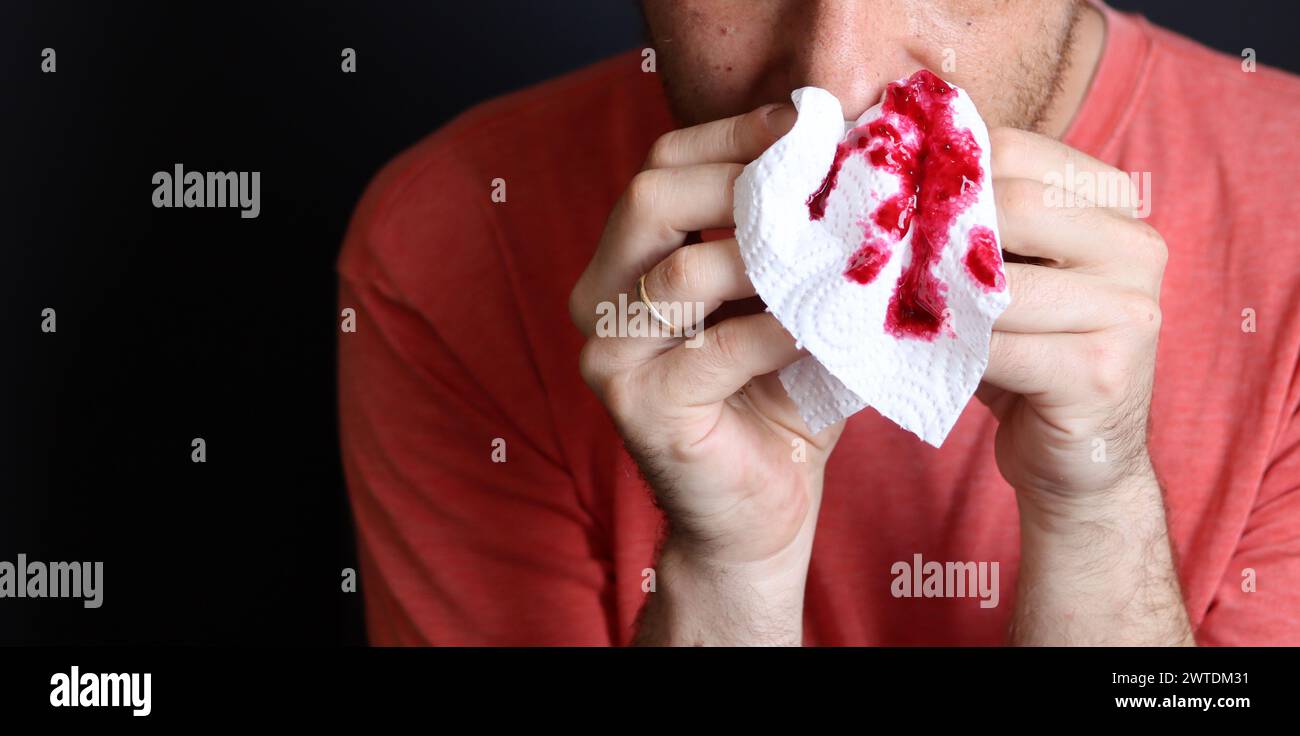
{"points": [[798, 264]]}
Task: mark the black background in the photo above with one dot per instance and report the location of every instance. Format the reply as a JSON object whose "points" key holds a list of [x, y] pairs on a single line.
{"points": [[535, 687], [183, 323]]}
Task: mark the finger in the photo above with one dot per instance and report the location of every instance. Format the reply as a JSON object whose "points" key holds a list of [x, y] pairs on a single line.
{"points": [[998, 401], [738, 139], [605, 357], [705, 275], [1033, 364], [730, 354], [1020, 154], [651, 219], [1095, 240], [1033, 221], [1055, 300], [661, 206], [684, 288]]}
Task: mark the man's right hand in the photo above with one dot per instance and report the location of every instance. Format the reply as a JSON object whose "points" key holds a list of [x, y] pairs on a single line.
{"points": [[731, 464]]}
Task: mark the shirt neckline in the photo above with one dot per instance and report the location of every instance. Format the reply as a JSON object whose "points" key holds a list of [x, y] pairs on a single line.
{"points": [[1114, 84]]}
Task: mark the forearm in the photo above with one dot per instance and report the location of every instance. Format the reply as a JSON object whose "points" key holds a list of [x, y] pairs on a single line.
{"points": [[1098, 571], [702, 602]]}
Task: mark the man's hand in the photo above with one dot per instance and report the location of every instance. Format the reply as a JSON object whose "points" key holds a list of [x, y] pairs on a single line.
{"points": [[1070, 374], [722, 446]]}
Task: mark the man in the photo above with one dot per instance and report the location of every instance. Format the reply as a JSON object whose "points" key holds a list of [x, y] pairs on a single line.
{"points": [[1130, 473]]}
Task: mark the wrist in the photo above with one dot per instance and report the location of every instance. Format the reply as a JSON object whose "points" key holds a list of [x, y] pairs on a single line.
{"points": [[701, 600], [1132, 495], [778, 576], [1098, 569]]}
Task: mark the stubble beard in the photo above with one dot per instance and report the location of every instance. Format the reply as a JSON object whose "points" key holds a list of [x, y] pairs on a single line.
{"points": [[1034, 87]]}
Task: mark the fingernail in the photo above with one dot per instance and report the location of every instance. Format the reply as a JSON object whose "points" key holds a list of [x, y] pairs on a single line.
{"points": [[779, 118]]}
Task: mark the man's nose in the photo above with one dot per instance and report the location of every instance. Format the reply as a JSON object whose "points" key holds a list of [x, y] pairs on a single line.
{"points": [[850, 47]]}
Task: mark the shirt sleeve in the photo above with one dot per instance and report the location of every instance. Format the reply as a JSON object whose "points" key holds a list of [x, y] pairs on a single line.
{"points": [[469, 527], [1258, 600]]}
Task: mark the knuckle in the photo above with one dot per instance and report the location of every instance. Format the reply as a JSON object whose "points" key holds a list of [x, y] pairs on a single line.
{"points": [[1155, 318], [1141, 312], [727, 343], [660, 154], [642, 192], [679, 272], [591, 364], [619, 396], [682, 450], [1138, 308], [1153, 245], [1107, 371]]}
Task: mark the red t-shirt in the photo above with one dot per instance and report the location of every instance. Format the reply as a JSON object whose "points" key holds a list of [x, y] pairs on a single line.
{"points": [[464, 350]]}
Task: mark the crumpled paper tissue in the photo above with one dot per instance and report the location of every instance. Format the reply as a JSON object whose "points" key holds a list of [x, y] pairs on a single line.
{"points": [[875, 244]]}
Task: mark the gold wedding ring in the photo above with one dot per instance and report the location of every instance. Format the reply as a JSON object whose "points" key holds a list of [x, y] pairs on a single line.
{"points": [[640, 292]]}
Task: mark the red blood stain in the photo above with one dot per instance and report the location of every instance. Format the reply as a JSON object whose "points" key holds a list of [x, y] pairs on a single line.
{"points": [[817, 201], [983, 258], [939, 177], [866, 262]]}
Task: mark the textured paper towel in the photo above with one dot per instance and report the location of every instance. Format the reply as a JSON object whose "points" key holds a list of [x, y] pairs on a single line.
{"points": [[875, 244]]}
